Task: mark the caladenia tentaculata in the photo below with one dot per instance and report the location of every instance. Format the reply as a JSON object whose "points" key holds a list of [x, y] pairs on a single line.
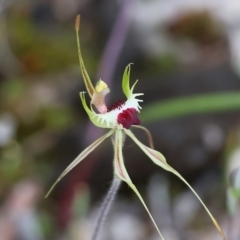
{"points": [[119, 118]]}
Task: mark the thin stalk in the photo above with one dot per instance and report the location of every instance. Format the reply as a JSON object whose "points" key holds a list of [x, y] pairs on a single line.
{"points": [[106, 205]]}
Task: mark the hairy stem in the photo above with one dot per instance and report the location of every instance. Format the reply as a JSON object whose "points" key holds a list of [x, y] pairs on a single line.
{"points": [[106, 205]]}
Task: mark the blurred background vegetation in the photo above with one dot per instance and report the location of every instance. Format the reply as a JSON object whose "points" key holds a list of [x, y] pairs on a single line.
{"points": [[186, 56]]}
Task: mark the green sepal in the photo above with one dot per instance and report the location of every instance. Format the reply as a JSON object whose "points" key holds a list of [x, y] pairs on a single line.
{"points": [[160, 160], [121, 172], [80, 157], [86, 78]]}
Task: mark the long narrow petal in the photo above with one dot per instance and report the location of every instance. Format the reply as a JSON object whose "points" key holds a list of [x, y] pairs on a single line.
{"points": [[147, 132], [121, 172], [160, 160], [80, 157], [87, 80]]}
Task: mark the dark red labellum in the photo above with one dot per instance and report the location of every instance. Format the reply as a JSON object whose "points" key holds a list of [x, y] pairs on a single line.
{"points": [[128, 117]]}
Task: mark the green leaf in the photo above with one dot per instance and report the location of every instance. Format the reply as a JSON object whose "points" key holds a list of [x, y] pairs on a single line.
{"points": [[178, 107], [160, 160]]}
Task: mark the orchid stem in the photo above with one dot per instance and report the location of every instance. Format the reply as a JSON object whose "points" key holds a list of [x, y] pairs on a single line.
{"points": [[106, 205]]}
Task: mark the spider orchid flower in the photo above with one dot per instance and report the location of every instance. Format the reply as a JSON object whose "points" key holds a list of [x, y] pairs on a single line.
{"points": [[119, 118]]}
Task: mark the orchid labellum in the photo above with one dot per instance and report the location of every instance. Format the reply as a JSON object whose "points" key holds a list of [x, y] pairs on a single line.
{"points": [[119, 118]]}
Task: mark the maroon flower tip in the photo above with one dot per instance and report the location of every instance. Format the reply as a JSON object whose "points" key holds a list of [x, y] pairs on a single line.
{"points": [[116, 105], [128, 117]]}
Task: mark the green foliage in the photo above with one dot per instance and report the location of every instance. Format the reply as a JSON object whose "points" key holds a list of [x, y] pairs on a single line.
{"points": [[197, 104], [57, 118], [13, 89], [41, 51]]}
